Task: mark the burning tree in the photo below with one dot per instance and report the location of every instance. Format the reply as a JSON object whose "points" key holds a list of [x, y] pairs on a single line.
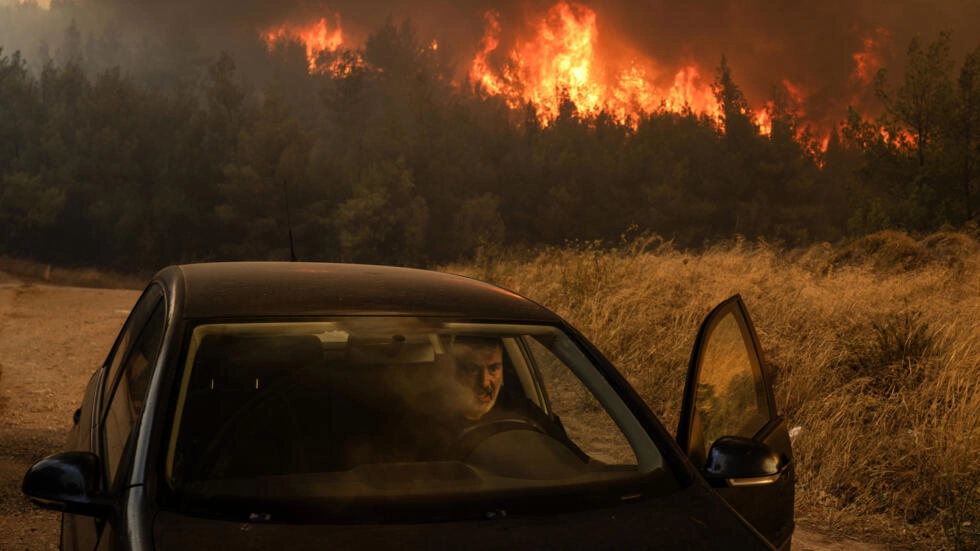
{"points": [[400, 147]]}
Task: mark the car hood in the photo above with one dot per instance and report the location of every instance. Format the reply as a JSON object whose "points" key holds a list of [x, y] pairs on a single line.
{"points": [[692, 518]]}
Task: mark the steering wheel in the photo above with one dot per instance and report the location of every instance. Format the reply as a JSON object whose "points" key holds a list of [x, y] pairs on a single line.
{"points": [[471, 437]]}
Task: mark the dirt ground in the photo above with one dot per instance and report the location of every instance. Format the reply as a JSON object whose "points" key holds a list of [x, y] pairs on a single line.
{"points": [[51, 341]]}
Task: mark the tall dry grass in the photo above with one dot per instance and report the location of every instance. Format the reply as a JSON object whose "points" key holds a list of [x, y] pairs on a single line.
{"points": [[875, 349]]}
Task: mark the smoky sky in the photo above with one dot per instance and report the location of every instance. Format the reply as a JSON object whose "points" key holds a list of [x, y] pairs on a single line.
{"points": [[762, 29], [810, 44]]}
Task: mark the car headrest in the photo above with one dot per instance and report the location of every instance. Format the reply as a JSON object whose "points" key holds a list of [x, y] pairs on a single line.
{"points": [[246, 361]]}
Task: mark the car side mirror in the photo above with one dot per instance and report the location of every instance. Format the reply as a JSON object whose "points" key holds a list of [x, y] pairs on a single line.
{"points": [[68, 482], [738, 461]]}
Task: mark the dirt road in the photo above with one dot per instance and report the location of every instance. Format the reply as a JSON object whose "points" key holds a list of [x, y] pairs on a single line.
{"points": [[51, 340]]}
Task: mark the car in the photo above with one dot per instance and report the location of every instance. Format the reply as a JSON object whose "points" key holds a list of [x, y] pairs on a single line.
{"points": [[290, 405]]}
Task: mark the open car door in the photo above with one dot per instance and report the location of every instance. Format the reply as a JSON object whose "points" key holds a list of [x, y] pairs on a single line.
{"points": [[729, 426]]}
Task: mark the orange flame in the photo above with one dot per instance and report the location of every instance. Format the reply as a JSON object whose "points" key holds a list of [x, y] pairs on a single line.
{"points": [[560, 62], [688, 92], [557, 65], [556, 61], [763, 120], [900, 137], [481, 72], [316, 37]]}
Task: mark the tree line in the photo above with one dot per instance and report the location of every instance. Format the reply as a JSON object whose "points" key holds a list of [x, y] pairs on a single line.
{"points": [[384, 157]]}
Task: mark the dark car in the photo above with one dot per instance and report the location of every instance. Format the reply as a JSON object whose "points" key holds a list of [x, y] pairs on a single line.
{"points": [[300, 405]]}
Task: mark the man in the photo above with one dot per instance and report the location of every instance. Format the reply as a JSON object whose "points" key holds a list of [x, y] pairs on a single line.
{"points": [[479, 369], [476, 410]]}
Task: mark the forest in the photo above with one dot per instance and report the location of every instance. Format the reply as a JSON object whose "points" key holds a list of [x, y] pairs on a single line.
{"points": [[387, 158]]}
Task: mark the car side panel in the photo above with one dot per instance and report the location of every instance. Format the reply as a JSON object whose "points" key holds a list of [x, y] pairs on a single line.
{"points": [[81, 532], [693, 518]]}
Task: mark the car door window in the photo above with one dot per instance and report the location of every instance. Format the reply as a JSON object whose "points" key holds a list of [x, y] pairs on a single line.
{"points": [[124, 342], [731, 395], [126, 401], [582, 416]]}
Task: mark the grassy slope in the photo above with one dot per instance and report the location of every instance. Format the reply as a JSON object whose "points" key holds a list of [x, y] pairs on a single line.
{"points": [[875, 348]]}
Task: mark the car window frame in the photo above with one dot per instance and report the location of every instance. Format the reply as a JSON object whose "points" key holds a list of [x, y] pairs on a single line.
{"points": [[664, 476], [141, 311], [749, 365], [152, 300], [689, 434]]}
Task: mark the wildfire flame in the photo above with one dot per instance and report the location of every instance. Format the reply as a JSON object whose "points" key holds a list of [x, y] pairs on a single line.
{"points": [[690, 92], [556, 60], [793, 104], [557, 65], [560, 62], [317, 37], [764, 121]]}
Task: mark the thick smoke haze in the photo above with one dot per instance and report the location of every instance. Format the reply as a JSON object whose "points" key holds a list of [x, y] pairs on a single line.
{"points": [[810, 45]]}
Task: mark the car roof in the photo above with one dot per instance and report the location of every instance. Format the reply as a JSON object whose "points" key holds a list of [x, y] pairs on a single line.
{"points": [[260, 289]]}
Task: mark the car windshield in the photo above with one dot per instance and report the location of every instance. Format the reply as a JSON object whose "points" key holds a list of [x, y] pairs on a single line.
{"points": [[395, 410]]}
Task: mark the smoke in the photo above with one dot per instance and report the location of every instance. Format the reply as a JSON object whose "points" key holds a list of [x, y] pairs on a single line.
{"points": [[811, 44], [759, 32], [815, 46]]}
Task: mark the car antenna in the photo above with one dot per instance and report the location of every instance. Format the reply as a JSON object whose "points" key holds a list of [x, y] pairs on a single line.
{"points": [[289, 222]]}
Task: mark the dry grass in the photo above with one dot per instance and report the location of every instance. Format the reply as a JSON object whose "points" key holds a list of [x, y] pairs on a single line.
{"points": [[875, 347]]}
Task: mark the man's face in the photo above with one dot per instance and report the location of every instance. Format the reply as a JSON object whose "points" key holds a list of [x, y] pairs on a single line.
{"points": [[479, 368]]}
